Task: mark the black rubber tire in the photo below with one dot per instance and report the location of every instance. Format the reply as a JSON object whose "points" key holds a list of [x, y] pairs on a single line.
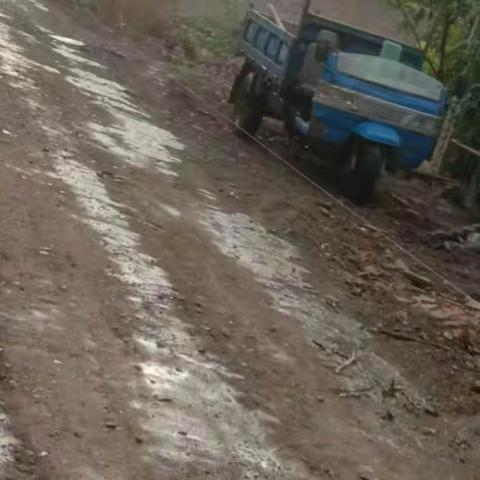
{"points": [[369, 167], [248, 111]]}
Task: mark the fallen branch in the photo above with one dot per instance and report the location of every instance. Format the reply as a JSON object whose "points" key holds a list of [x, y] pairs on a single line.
{"points": [[468, 149], [362, 392], [329, 350], [348, 363], [407, 338]]}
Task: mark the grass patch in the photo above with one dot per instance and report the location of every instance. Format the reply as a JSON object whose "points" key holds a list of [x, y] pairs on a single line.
{"points": [[215, 34]]}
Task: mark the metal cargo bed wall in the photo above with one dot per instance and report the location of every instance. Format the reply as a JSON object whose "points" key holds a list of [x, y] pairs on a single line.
{"points": [[267, 45], [351, 39], [366, 14]]}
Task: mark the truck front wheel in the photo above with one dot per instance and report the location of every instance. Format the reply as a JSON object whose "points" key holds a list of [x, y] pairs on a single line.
{"points": [[248, 109], [368, 166]]}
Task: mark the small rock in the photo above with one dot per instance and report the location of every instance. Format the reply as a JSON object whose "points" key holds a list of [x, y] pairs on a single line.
{"points": [[430, 432], [331, 302], [111, 425], [365, 472], [324, 204], [163, 399], [476, 387], [432, 411], [371, 271], [418, 280], [139, 440], [320, 399], [473, 241], [104, 173], [388, 416], [182, 433]]}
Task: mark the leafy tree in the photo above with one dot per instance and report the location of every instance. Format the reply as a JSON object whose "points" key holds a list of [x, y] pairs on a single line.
{"points": [[444, 29], [448, 31]]}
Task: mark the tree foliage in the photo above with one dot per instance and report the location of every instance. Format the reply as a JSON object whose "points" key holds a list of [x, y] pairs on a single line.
{"points": [[448, 31]]}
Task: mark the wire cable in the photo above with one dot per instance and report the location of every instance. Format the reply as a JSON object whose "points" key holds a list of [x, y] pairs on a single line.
{"points": [[333, 198]]}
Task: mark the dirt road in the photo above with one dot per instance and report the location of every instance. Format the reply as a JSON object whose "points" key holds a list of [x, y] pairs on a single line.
{"points": [[159, 319]]}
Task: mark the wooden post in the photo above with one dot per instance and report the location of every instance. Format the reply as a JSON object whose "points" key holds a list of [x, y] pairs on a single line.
{"points": [[306, 9], [445, 138]]}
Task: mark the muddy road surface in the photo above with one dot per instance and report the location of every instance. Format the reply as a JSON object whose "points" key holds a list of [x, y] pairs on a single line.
{"points": [[162, 314]]}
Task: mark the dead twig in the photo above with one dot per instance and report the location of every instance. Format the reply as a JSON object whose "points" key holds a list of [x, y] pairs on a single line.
{"points": [[362, 392], [348, 363], [329, 350], [404, 337]]}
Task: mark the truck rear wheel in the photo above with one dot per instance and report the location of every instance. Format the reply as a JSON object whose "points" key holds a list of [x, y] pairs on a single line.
{"points": [[369, 165], [248, 109]]}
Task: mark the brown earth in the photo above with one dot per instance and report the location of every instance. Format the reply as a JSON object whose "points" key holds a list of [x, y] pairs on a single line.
{"points": [[203, 312]]}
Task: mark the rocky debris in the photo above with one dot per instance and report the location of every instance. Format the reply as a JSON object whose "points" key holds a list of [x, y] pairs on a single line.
{"points": [[407, 337], [473, 241], [476, 387], [110, 425], [388, 416], [365, 472], [416, 279], [160, 399], [467, 237], [406, 211]]}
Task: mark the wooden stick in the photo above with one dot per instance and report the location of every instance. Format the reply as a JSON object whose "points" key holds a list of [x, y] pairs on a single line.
{"points": [[276, 17], [466, 148], [346, 364], [407, 338], [306, 9]]}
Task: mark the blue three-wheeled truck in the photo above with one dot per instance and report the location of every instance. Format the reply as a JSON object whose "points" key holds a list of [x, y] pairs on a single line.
{"points": [[333, 84]]}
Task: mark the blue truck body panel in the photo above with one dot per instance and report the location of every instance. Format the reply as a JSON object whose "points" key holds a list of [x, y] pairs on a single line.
{"points": [[340, 126], [332, 75]]}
